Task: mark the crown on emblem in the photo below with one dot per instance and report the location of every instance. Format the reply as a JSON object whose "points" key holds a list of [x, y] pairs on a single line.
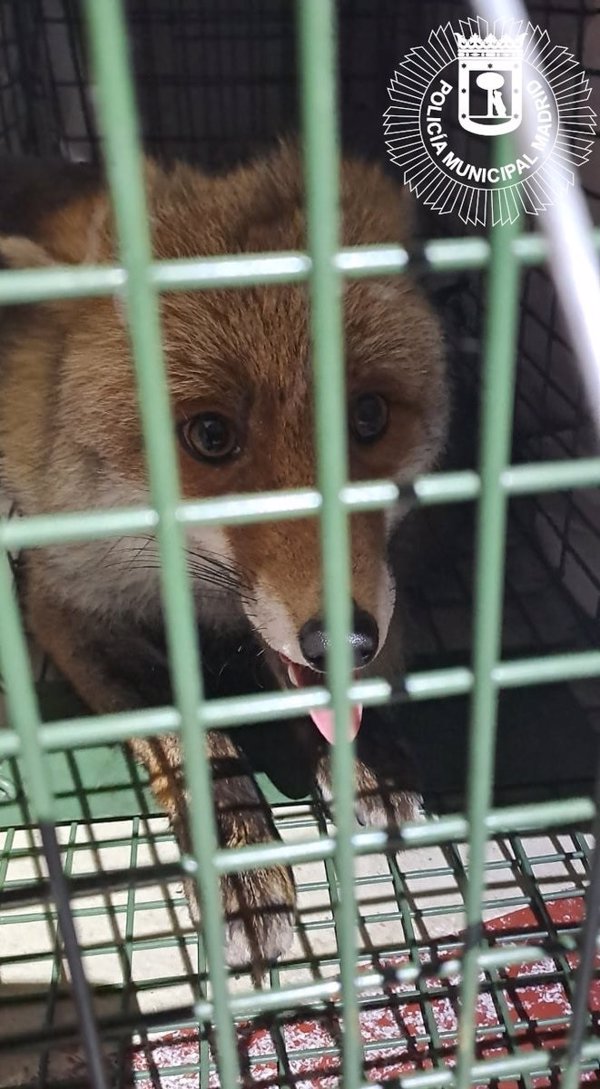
{"points": [[490, 47]]}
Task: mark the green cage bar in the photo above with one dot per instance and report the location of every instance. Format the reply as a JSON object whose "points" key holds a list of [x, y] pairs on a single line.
{"points": [[23, 706], [204, 273], [20, 693], [319, 119], [496, 427], [123, 160], [323, 269], [431, 490]]}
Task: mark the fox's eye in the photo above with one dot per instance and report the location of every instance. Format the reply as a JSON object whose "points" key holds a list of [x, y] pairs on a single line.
{"points": [[368, 417], [209, 437]]}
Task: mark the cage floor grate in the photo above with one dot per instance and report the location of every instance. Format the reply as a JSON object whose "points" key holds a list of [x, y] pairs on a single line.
{"points": [[142, 958]]}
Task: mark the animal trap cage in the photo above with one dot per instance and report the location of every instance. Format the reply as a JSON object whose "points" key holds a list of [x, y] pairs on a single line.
{"points": [[455, 954]]}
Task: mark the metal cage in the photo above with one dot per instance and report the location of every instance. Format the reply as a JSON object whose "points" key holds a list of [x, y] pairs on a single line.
{"points": [[507, 624]]}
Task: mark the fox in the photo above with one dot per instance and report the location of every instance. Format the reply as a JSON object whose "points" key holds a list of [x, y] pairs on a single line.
{"points": [[239, 370]]}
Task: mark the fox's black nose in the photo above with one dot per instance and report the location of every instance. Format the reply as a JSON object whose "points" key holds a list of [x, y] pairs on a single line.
{"points": [[364, 640]]}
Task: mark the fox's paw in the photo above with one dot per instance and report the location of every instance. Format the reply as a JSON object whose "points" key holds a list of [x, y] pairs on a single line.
{"points": [[380, 803], [387, 788], [259, 911], [259, 916]]}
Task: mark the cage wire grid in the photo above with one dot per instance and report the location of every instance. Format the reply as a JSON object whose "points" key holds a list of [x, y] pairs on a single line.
{"points": [[424, 971]]}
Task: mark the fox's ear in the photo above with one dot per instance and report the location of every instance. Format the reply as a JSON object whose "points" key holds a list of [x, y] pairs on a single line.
{"points": [[60, 206], [19, 252], [82, 229], [79, 232]]}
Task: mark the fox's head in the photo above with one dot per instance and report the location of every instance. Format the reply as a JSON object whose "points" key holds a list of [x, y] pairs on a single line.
{"points": [[240, 377]]}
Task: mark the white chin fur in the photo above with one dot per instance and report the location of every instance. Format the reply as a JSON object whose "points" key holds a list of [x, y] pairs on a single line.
{"points": [[273, 622]]}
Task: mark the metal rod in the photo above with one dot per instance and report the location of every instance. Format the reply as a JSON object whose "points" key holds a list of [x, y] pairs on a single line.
{"points": [[570, 237], [496, 429], [115, 93], [429, 490], [239, 270], [81, 989], [446, 829], [303, 996], [588, 947], [318, 86], [232, 711]]}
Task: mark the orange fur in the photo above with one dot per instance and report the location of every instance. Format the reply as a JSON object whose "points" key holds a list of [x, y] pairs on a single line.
{"points": [[245, 353], [70, 438]]}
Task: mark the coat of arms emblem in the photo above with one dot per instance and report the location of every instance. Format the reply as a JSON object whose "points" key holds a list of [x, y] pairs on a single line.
{"points": [[490, 83]]}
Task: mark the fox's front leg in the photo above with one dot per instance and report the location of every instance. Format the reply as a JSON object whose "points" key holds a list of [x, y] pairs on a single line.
{"points": [[116, 667]]}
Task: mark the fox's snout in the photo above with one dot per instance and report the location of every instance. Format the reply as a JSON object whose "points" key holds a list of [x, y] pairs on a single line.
{"points": [[282, 565], [363, 637], [302, 636]]}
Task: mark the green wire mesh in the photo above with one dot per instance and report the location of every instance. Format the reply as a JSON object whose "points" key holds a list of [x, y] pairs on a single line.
{"points": [[141, 954], [446, 1011]]}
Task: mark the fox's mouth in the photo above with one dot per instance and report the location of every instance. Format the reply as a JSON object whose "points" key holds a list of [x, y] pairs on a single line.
{"points": [[302, 676]]}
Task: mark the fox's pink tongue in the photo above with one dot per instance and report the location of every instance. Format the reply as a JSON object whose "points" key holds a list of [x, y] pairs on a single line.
{"points": [[324, 720]]}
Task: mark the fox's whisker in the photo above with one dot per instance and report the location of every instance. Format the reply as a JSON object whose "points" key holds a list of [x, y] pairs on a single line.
{"points": [[201, 560]]}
